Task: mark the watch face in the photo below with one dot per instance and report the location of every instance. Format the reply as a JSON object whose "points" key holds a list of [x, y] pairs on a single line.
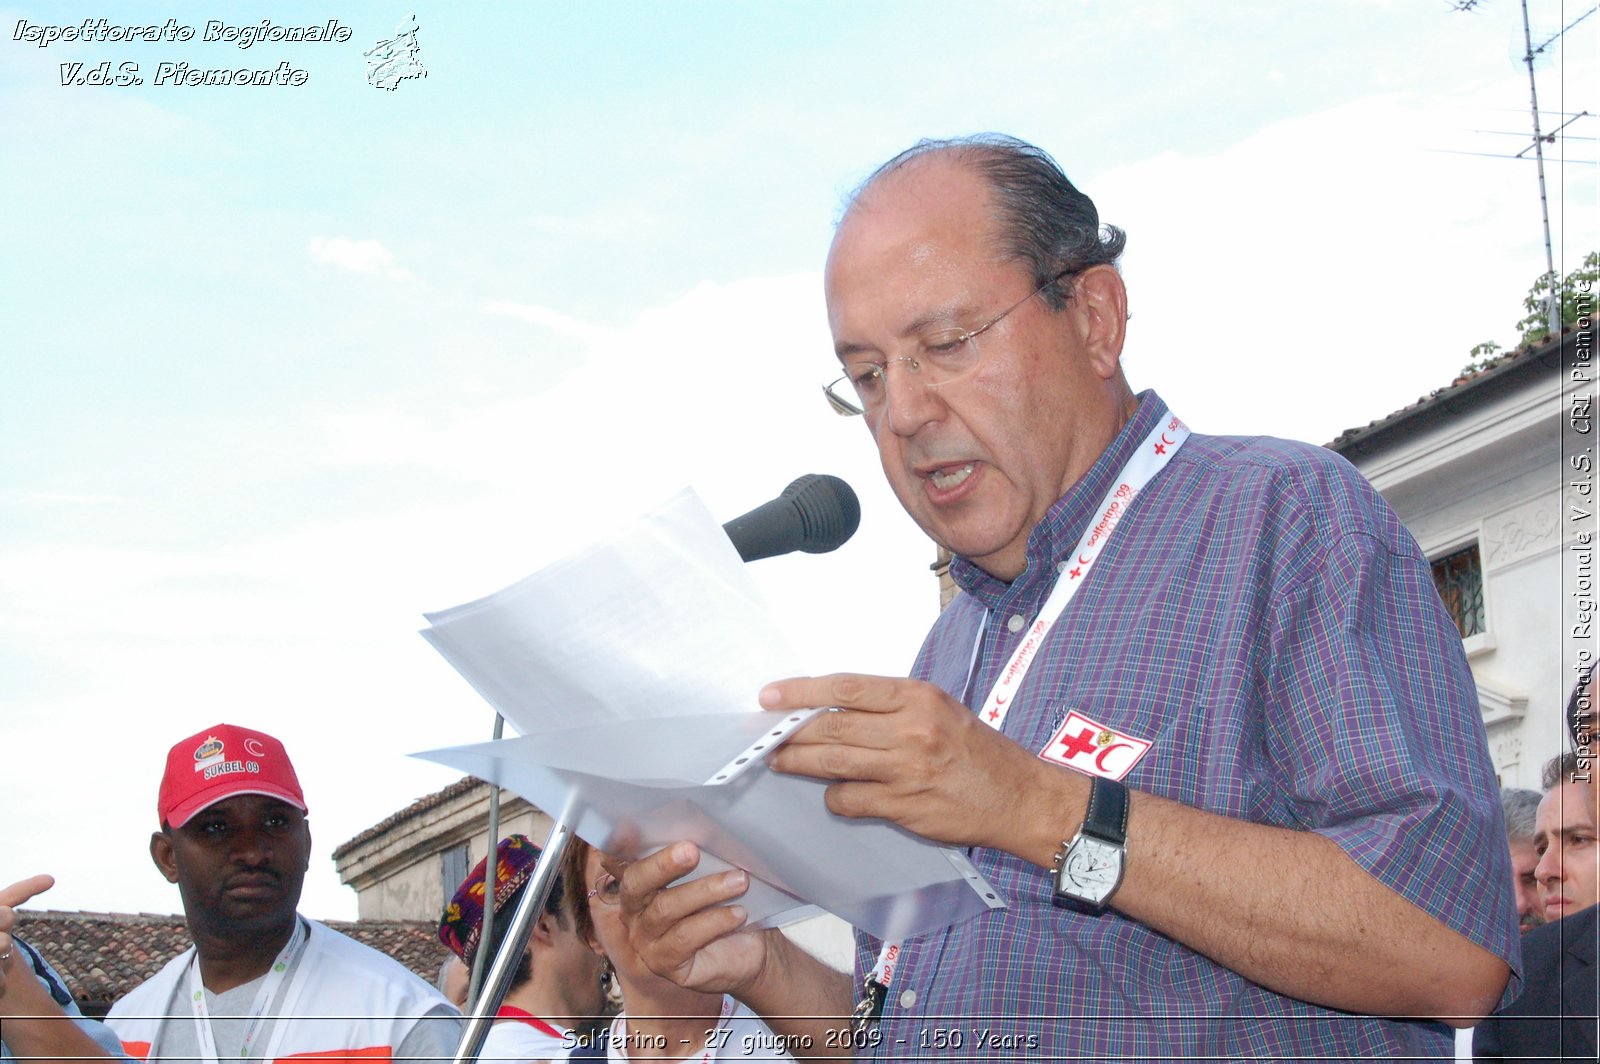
{"points": [[1091, 870]]}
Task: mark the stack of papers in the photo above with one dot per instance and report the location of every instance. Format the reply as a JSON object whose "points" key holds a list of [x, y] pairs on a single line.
{"points": [[630, 671]]}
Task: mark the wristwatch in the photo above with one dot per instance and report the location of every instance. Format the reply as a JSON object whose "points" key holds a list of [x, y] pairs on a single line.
{"points": [[1089, 868]]}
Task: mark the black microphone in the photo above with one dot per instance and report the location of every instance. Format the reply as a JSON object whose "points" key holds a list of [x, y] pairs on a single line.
{"points": [[816, 514]]}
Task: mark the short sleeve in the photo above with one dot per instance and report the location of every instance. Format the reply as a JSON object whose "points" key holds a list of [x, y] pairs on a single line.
{"points": [[1376, 727], [433, 1038]]}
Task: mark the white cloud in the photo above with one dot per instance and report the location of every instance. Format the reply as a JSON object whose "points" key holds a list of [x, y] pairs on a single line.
{"points": [[1327, 270], [358, 256], [553, 320], [67, 498], [309, 630]]}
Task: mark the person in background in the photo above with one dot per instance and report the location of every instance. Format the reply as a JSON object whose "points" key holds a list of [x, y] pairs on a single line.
{"points": [[558, 984], [39, 1021], [660, 1019], [1564, 838], [262, 981], [1557, 1015], [1521, 808], [454, 981]]}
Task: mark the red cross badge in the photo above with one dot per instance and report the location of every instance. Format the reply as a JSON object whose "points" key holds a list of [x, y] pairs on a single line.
{"points": [[1091, 747]]}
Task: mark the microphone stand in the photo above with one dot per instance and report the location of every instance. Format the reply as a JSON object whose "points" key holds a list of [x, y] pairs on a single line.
{"points": [[491, 876]]}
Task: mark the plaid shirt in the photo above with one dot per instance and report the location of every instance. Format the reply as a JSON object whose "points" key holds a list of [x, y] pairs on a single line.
{"points": [[1265, 621]]}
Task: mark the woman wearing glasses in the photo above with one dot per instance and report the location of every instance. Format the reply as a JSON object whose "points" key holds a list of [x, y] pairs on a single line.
{"points": [[659, 1020]]}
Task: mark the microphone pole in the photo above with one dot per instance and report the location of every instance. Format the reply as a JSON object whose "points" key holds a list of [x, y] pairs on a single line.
{"points": [[814, 514], [491, 875]]}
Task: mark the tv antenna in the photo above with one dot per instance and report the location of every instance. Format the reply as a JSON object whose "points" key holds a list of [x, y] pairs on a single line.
{"points": [[1553, 303]]}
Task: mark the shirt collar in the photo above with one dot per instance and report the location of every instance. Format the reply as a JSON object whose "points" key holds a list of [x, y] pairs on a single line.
{"points": [[1063, 524]]}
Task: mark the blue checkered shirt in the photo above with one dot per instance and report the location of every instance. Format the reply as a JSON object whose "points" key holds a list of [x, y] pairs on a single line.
{"points": [[1265, 620], [57, 986]]}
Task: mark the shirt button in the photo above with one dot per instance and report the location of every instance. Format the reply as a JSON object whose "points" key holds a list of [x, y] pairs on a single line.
{"points": [[1061, 567], [908, 999], [1015, 623]]}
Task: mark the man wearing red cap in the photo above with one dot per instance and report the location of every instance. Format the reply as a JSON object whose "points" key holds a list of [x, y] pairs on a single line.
{"points": [[262, 982]]}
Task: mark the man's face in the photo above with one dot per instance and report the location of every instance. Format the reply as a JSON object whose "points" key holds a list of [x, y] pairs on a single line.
{"points": [[978, 461], [1530, 909], [239, 864], [1593, 787], [1564, 838], [578, 967]]}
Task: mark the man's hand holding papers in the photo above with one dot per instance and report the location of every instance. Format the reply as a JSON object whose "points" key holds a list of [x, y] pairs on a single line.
{"points": [[695, 934]]}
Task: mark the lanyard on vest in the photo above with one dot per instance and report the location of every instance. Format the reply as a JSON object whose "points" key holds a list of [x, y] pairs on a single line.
{"points": [[511, 1012], [1149, 459], [258, 1009]]}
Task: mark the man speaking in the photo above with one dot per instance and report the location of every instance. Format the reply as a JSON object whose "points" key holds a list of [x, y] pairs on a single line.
{"points": [[1198, 714]]}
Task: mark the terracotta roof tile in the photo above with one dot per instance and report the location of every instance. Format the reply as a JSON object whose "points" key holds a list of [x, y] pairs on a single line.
{"points": [[105, 955], [1489, 370]]}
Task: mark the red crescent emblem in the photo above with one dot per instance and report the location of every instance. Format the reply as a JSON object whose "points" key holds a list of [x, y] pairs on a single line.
{"points": [[1100, 758], [1082, 560], [999, 701], [1166, 441], [253, 747]]}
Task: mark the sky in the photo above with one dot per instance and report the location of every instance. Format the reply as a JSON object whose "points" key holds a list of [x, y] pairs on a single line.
{"points": [[284, 366]]}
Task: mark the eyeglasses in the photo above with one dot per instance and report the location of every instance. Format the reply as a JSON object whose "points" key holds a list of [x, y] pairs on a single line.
{"points": [[607, 889], [943, 357]]}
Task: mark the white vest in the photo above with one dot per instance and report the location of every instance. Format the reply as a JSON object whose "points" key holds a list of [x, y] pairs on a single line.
{"points": [[375, 999]]}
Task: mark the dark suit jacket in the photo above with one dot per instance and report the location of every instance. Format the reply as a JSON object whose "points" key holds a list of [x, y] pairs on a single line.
{"points": [[1554, 1019]]}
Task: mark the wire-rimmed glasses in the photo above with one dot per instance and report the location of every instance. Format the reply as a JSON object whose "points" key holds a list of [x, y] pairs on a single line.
{"points": [[943, 357], [606, 888]]}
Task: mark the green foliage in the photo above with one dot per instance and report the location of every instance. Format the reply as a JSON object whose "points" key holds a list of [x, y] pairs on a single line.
{"points": [[1577, 294], [1482, 354], [1535, 327]]}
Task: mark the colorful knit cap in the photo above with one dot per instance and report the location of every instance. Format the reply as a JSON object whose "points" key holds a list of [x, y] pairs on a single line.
{"points": [[462, 923]]}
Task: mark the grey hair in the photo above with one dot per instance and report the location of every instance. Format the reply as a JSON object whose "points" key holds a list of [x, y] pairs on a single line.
{"points": [[1559, 770], [1521, 808], [1045, 222]]}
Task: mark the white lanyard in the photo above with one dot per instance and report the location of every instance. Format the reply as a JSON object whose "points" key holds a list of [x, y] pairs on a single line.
{"points": [[258, 1009], [1150, 458]]}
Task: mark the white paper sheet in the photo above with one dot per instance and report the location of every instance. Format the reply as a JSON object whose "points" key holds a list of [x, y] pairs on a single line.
{"points": [[631, 670]]}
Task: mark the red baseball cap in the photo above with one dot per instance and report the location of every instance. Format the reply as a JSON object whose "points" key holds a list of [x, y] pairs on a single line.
{"points": [[220, 762]]}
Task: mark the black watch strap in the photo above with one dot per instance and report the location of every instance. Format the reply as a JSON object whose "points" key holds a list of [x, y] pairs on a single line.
{"points": [[1107, 817]]}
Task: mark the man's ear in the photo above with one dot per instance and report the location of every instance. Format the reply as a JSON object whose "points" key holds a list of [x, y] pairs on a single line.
{"points": [[544, 930], [1100, 300], [161, 853]]}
